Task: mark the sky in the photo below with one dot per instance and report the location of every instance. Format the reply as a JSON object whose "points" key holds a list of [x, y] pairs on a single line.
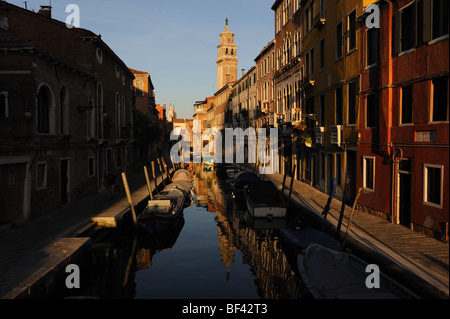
{"points": [[174, 40]]}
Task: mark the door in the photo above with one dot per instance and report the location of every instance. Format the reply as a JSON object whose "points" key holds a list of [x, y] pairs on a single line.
{"points": [[404, 193], [64, 181], [329, 172], [12, 190], [351, 175]]}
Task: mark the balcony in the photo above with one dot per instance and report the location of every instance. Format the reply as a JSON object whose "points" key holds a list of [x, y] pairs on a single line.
{"points": [[319, 20], [307, 82]]}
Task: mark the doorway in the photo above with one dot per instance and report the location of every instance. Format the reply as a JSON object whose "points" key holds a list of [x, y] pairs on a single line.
{"points": [[404, 193]]}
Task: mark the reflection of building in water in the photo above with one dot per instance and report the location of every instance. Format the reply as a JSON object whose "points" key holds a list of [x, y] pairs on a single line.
{"points": [[261, 251], [260, 248], [143, 259]]}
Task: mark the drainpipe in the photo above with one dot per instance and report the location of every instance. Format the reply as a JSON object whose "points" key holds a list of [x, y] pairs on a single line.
{"points": [[397, 153]]}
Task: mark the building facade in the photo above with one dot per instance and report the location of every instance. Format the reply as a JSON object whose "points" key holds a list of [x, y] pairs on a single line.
{"points": [[66, 112], [403, 124]]}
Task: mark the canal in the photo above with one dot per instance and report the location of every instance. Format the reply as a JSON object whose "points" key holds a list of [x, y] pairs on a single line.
{"points": [[217, 252]]}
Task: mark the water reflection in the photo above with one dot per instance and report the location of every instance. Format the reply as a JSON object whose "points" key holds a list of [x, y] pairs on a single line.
{"points": [[218, 251]]}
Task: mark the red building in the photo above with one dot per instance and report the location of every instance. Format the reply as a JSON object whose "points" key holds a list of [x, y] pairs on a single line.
{"points": [[403, 147]]}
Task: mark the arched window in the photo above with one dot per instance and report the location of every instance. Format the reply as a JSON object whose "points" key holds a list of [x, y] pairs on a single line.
{"points": [[100, 110], [117, 115], [44, 110], [63, 111], [91, 129]]}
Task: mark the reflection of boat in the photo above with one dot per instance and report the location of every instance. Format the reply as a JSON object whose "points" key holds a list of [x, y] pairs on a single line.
{"points": [[330, 274], [264, 200], [242, 179], [303, 237], [161, 241]]}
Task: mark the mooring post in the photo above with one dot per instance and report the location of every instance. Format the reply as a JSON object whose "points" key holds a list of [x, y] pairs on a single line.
{"points": [[341, 215], [161, 171], [167, 171], [284, 180], [130, 201], [351, 215], [154, 175], [148, 183], [292, 184]]}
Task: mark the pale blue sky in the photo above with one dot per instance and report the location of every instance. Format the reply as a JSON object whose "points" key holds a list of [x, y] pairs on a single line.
{"points": [[174, 40]]}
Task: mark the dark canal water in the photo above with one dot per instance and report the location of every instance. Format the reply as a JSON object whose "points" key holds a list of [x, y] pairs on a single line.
{"points": [[217, 252]]}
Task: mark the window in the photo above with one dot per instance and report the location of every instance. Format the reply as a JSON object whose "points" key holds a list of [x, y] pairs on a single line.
{"points": [[369, 173], [407, 105], [91, 167], [439, 18], [322, 110], [43, 111], [372, 46], [4, 107], [339, 106], [405, 29], [352, 96], [63, 112], [338, 175], [439, 107], [372, 111], [351, 29], [322, 54], [433, 182], [41, 176], [339, 41], [309, 17], [118, 115]]}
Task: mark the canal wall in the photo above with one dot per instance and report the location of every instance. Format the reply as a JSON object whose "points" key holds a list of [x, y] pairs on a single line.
{"points": [[419, 262], [35, 256]]}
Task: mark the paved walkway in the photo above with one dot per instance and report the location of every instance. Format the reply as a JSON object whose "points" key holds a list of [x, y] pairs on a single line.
{"points": [[413, 257], [34, 252]]}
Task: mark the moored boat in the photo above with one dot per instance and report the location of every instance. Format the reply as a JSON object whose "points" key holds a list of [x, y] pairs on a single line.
{"points": [[242, 179], [164, 212], [301, 238], [264, 200], [331, 274]]}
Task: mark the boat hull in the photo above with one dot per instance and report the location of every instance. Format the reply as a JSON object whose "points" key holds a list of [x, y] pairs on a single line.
{"points": [[330, 274], [264, 201]]}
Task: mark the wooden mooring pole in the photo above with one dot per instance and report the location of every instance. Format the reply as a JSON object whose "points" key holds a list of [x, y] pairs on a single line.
{"points": [[150, 192], [154, 176], [351, 215], [292, 184], [341, 215], [130, 201], [160, 170]]}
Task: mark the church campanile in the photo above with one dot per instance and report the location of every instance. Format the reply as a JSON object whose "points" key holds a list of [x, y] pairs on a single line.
{"points": [[227, 63]]}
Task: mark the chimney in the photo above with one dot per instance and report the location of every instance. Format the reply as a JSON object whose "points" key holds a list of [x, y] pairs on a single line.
{"points": [[46, 11], [243, 72]]}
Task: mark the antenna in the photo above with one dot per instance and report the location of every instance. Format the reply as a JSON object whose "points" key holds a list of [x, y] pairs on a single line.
{"points": [[25, 5]]}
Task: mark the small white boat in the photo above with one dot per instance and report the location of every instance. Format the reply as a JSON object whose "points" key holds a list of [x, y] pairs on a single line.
{"points": [[332, 274], [264, 201]]}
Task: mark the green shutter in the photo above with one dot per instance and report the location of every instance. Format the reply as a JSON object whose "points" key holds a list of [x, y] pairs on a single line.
{"points": [[396, 34], [427, 27]]}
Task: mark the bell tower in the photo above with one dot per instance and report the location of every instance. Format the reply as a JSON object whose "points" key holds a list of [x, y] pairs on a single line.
{"points": [[227, 63]]}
